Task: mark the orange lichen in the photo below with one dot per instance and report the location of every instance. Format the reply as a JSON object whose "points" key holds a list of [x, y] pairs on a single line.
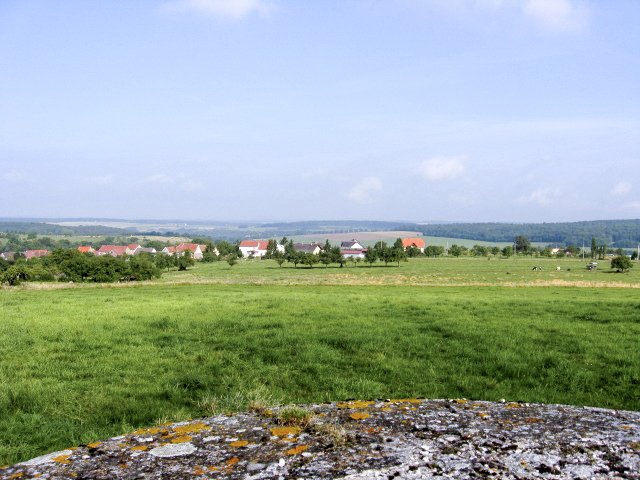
{"points": [[482, 414], [140, 448], [233, 461], [64, 459], [15, 475], [290, 440], [296, 450], [282, 431], [355, 404], [199, 471], [625, 427], [183, 439], [192, 428], [239, 443], [359, 416], [94, 444], [461, 400], [514, 405], [532, 420], [387, 409]]}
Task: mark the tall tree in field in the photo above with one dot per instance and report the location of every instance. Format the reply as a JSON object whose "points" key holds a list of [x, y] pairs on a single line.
{"points": [[523, 245], [594, 247]]}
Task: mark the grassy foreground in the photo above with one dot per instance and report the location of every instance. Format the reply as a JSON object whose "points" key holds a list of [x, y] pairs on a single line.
{"points": [[81, 364]]}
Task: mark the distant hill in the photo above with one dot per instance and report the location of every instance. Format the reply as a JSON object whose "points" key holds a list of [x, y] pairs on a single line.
{"points": [[614, 233]]}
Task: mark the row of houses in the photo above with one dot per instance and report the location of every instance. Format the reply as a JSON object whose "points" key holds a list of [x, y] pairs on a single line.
{"points": [[349, 249], [197, 251]]}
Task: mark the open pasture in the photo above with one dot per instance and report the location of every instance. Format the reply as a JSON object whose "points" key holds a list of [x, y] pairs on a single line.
{"points": [[444, 271], [81, 364]]}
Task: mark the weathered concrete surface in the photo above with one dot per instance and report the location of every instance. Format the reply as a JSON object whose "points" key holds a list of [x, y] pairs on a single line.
{"points": [[406, 438]]}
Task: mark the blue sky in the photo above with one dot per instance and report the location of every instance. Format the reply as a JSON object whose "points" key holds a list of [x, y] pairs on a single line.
{"points": [[459, 110]]}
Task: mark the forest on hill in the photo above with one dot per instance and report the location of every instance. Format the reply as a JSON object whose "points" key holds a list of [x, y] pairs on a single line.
{"points": [[613, 233]]}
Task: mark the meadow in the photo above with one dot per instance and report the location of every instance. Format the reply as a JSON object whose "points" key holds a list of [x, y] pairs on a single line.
{"points": [[82, 363]]}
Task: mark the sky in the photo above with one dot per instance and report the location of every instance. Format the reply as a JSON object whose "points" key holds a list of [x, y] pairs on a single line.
{"points": [[289, 110]]}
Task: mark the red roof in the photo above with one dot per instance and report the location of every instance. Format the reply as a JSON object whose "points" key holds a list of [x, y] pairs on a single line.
{"points": [[413, 242], [35, 253], [116, 250], [257, 244], [132, 246], [189, 246], [85, 249]]}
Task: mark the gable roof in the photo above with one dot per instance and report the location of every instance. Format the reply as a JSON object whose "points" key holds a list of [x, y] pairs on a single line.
{"points": [[35, 253], [413, 242], [86, 249], [349, 244], [256, 244]]}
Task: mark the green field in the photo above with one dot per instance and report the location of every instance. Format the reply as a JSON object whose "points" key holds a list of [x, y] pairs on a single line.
{"points": [[88, 362]]}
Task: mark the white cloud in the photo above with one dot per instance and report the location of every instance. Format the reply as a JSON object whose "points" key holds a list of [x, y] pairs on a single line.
{"points": [[557, 15], [226, 9], [363, 190], [104, 180], [442, 168], [550, 15], [542, 197], [621, 189]]}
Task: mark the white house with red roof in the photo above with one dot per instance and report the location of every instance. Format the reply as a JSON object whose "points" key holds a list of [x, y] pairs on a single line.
{"points": [[413, 242], [86, 249], [197, 250], [253, 248], [113, 250]]}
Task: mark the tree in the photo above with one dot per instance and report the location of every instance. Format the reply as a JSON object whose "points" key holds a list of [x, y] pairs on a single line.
{"points": [[523, 245], [507, 251], [185, 260], [272, 248], [455, 250], [621, 263], [279, 258], [370, 256], [434, 251], [309, 259], [594, 247], [495, 251], [232, 259]]}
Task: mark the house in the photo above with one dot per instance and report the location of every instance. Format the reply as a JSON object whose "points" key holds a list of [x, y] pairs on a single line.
{"points": [[29, 254], [253, 248], [413, 242], [86, 249], [144, 250], [313, 248], [555, 251], [197, 250], [7, 255], [132, 248], [351, 245], [346, 253], [113, 250]]}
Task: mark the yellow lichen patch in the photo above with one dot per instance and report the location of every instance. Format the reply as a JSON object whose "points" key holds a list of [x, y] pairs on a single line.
{"points": [[461, 400], [94, 444], [359, 416], [233, 461], [514, 405], [524, 464], [296, 450], [625, 427], [183, 439], [532, 420], [407, 400], [15, 475], [356, 404], [73, 449], [239, 443], [482, 414], [282, 431], [64, 459], [387, 409], [193, 428], [476, 404], [140, 432], [290, 440], [140, 448]]}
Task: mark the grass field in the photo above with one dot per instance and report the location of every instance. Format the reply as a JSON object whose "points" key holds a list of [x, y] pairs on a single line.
{"points": [[84, 363]]}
